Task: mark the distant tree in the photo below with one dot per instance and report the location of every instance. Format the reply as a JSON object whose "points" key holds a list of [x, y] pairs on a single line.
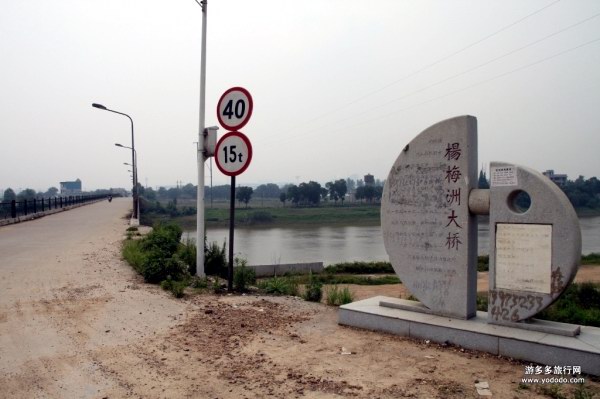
{"points": [[369, 192], [293, 194], [310, 192], [243, 194], [162, 192], [189, 191], [351, 184], [220, 192], [359, 194], [282, 198], [27, 194], [149, 194], [51, 192], [332, 191], [9, 195], [324, 193], [378, 193], [483, 182], [341, 189], [173, 193], [269, 190]]}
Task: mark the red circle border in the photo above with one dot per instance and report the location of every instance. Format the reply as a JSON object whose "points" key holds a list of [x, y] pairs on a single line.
{"points": [[250, 108], [246, 140]]}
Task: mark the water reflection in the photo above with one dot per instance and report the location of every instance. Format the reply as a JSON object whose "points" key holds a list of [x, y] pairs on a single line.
{"points": [[343, 243]]}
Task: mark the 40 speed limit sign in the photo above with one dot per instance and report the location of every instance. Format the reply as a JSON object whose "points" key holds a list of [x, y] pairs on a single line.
{"points": [[234, 108], [233, 153]]}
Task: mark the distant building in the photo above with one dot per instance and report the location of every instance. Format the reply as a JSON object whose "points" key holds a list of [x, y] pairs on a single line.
{"points": [[559, 180], [70, 187], [369, 180]]}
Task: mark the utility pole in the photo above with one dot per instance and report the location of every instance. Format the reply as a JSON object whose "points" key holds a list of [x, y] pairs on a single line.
{"points": [[201, 150]]}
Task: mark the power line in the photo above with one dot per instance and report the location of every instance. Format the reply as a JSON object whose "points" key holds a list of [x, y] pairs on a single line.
{"points": [[426, 67], [455, 91], [444, 80]]}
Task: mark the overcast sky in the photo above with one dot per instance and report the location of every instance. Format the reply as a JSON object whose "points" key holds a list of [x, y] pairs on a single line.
{"points": [[339, 87]]}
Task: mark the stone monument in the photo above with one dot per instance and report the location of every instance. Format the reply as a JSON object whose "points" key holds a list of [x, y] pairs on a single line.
{"points": [[429, 212]]}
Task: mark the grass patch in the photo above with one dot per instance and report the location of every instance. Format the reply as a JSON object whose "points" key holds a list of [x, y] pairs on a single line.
{"points": [[360, 268], [331, 279], [591, 259], [279, 286], [334, 296], [579, 304], [134, 255], [313, 291]]}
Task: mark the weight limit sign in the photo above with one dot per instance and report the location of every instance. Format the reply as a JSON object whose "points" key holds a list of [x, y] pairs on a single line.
{"points": [[233, 153]]}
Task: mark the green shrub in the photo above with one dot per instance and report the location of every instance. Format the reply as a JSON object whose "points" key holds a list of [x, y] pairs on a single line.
{"points": [[337, 297], [243, 276], [330, 279], [360, 268], [279, 286], [187, 254], [157, 268], [314, 289], [215, 261], [591, 259], [164, 239], [579, 304], [177, 288], [259, 217], [483, 263], [200, 282], [482, 302], [133, 254]]}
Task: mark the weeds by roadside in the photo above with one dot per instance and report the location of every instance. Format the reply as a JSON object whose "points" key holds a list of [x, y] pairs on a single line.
{"points": [[335, 296]]}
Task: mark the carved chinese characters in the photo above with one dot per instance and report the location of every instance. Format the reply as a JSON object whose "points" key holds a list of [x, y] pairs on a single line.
{"points": [[428, 232]]}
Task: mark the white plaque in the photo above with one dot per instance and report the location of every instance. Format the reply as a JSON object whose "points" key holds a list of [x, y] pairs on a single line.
{"points": [[523, 257], [503, 176]]}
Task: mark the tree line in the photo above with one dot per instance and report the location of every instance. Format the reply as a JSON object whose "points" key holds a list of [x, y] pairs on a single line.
{"points": [[309, 193], [29, 194], [581, 192]]}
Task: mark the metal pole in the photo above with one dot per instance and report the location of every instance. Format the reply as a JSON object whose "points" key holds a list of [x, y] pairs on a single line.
{"points": [[231, 227], [201, 152]]}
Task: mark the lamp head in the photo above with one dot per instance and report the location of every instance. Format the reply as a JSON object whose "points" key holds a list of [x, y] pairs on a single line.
{"points": [[100, 106]]}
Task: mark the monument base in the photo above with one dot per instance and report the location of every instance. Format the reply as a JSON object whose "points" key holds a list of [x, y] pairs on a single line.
{"points": [[477, 334]]}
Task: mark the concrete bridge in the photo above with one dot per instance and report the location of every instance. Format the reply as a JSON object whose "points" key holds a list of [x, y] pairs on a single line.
{"points": [[68, 300]]}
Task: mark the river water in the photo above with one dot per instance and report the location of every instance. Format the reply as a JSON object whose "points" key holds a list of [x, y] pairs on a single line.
{"points": [[265, 245]]}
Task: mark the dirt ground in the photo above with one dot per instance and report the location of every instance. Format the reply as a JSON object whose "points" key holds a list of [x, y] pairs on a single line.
{"points": [[100, 332]]}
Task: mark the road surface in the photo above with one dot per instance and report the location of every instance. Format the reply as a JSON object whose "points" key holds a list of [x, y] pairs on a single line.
{"points": [[66, 299]]}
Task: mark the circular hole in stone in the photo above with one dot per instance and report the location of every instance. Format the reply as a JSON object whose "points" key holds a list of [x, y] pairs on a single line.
{"points": [[519, 201]]}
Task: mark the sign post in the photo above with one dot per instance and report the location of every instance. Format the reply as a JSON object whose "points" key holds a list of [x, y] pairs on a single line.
{"points": [[233, 155], [233, 152]]}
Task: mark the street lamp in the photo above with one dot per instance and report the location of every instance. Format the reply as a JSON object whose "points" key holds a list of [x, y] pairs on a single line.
{"points": [[133, 158], [136, 202]]}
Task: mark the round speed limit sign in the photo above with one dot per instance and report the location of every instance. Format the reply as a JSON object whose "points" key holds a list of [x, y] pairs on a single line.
{"points": [[234, 108], [233, 153]]}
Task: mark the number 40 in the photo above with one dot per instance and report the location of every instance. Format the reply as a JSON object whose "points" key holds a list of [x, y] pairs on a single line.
{"points": [[239, 110]]}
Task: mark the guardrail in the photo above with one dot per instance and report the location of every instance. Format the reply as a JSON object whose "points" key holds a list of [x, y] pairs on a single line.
{"points": [[14, 209]]}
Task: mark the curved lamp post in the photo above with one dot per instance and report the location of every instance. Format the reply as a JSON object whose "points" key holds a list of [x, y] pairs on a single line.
{"points": [[133, 158], [136, 202]]}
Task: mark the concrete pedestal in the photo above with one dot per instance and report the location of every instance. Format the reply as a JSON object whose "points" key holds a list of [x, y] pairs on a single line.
{"points": [[477, 334]]}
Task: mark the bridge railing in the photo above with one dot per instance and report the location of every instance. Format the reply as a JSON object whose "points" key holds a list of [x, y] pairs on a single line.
{"points": [[13, 209]]}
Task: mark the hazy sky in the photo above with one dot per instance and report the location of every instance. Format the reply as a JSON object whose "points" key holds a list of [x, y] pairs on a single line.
{"points": [[339, 87]]}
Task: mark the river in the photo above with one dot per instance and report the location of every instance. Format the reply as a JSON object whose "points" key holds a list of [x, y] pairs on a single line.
{"points": [[271, 245]]}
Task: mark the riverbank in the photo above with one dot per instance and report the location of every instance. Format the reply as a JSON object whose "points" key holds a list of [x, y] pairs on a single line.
{"points": [[270, 214], [289, 216]]}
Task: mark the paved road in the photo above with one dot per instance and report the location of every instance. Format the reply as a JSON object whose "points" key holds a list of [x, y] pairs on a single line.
{"points": [[67, 300]]}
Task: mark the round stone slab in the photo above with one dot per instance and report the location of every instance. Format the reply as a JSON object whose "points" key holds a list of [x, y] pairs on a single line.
{"points": [[429, 234], [535, 245]]}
